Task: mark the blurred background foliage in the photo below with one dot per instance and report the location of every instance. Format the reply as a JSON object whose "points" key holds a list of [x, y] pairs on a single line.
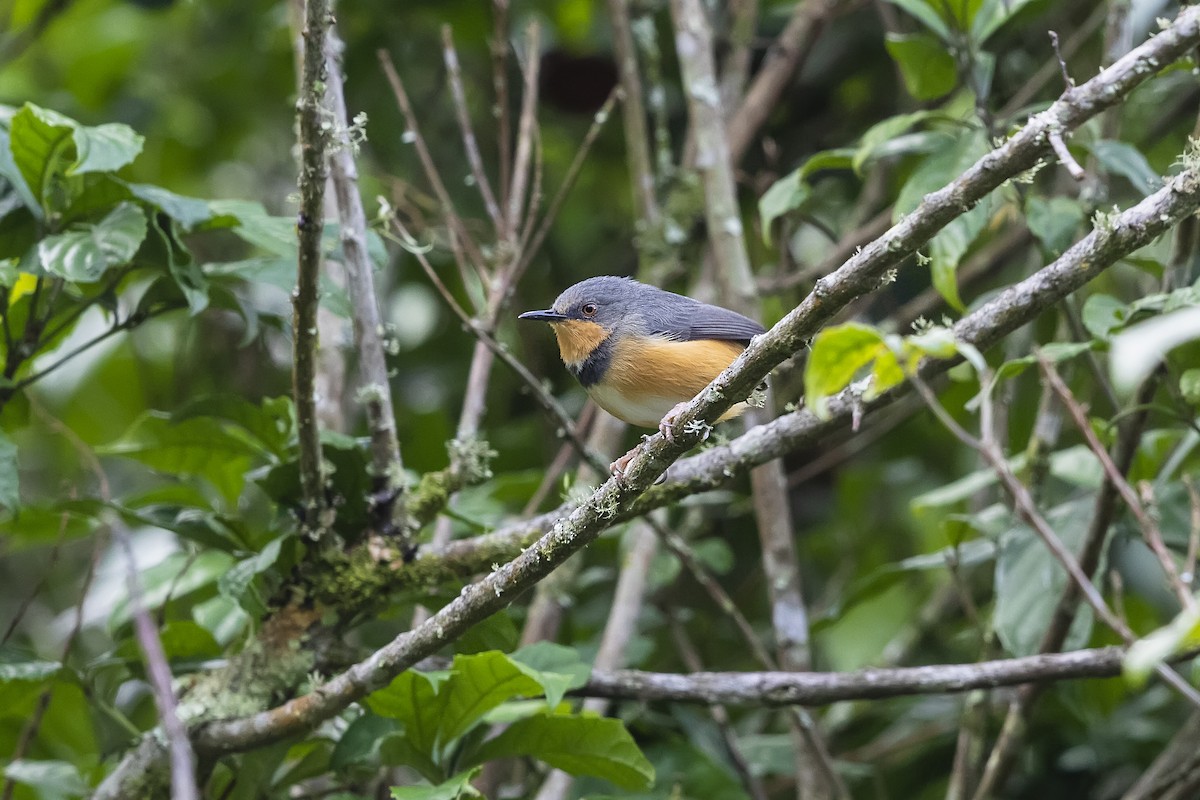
{"points": [[211, 88]]}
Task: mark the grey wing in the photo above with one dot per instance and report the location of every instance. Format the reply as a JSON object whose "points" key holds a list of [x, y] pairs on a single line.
{"points": [[702, 321]]}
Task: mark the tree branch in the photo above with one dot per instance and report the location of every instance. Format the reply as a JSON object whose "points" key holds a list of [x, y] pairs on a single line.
{"points": [[374, 391], [310, 224], [823, 688]]}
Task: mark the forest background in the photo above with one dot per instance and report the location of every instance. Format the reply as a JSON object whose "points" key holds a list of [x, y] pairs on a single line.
{"points": [[245, 455]]}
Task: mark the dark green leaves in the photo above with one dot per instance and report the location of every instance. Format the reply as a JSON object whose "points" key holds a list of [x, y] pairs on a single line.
{"points": [[441, 714], [928, 69], [579, 745]]}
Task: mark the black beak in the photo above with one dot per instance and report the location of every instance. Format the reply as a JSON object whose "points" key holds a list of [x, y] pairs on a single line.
{"points": [[544, 316]]}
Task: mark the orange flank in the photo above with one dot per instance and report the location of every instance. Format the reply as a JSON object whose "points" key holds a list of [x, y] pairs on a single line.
{"points": [[647, 378]]}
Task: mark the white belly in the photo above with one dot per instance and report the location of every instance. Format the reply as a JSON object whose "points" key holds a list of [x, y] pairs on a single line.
{"points": [[645, 411]]}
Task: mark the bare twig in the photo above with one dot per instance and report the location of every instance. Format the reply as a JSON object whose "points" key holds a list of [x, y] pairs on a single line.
{"points": [[691, 659], [310, 223], [1064, 156], [374, 391], [785, 56], [822, 688], [1146, 521], [457, 227], [470, 144], [1027, 509], [158, 670]]}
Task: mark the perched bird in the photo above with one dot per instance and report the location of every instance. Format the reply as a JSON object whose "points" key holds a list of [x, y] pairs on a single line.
{"points": [[641, 352]]}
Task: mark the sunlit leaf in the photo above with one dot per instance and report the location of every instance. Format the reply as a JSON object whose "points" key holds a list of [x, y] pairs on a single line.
{"points": [[85, 252], [1137, 350], [1144, 655], [838, 353]]}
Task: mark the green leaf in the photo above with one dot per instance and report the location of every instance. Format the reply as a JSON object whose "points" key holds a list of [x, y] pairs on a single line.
{"points": [[992, 15], [923, 11], [396, 749], [1122, 158], [187, 211], [1139, 349], [270, 424], [10, 495], [940, 168], [480, 682], [1102, 314], [359, 743], [181, 639], [947, 248], [838, 353], [49, 149], [929, 72], [580, 745], [53, 780], [1055, 222], [883, 132], [456, 788], [412, 699], [197, 446], [174, 578], [785, 195], [547, 662], [104, 148], [239, 584], [1182, 633], [1053, 351], [1029, 581], [1189, 385], [22, 682], [86, 251]]}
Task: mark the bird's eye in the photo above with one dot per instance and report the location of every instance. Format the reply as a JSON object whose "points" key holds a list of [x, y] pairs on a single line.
{"points": [[589, 309]]}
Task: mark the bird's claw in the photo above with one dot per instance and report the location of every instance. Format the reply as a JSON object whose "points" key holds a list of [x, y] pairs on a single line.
{"points": [[667, 426], [618, 467]]}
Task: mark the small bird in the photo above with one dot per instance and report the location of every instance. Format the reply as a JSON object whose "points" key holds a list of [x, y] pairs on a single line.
{"points": [[641, 352]]}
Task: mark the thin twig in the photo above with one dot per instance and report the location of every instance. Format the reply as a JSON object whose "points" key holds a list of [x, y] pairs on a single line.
{"points": [[454, 221], [158, 670], [374, 390], [1146, 521], [1025, 506], [691, 659], [310, 224], [470, 143]]}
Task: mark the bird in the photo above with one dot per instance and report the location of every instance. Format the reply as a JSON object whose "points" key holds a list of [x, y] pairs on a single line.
{"points": [[641, 352]]}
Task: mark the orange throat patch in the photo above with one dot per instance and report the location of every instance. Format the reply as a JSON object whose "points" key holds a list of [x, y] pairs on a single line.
{"points": [[577, 339]]}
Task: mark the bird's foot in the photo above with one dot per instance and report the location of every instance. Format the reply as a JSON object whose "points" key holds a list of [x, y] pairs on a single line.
{"points": [[667, 426], [618, 467]]}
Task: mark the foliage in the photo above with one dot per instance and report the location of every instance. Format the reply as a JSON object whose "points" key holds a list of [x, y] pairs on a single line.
{"points": [[145, 390]]}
